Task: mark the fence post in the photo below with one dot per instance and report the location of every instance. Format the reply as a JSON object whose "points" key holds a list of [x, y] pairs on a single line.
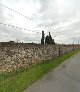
{"points": [[59, 50], [73, 46]]}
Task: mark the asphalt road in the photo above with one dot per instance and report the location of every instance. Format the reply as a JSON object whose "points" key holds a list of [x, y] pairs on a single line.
{"points": [[66, 78]]}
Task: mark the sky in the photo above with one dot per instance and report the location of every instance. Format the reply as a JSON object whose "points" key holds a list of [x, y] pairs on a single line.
{"points": [[60, 17]]}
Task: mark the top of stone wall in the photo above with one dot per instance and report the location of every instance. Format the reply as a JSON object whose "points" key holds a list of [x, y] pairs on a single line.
{"points": [[28, 45]]}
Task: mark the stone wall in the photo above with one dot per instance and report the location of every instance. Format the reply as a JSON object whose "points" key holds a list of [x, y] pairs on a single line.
{"points": [[17, 55]]}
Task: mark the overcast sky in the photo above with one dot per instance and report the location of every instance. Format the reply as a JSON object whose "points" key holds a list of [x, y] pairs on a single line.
{"points": [[60, 17]]}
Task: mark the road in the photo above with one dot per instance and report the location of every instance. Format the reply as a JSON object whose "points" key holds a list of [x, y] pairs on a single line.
{"points": [[66, 78]]}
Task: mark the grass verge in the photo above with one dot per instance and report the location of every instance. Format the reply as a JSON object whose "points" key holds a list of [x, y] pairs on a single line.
{"points": [[17, 81]]}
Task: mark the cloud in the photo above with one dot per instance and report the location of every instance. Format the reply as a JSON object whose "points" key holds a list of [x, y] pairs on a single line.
{"points": [[60, 17]]}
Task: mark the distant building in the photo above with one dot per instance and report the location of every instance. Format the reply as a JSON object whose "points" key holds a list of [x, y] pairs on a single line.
{"points": [[42, 39], [48, 39]]}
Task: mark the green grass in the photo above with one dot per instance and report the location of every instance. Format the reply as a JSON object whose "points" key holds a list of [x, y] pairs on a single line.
{"points": [[17, 81]]}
